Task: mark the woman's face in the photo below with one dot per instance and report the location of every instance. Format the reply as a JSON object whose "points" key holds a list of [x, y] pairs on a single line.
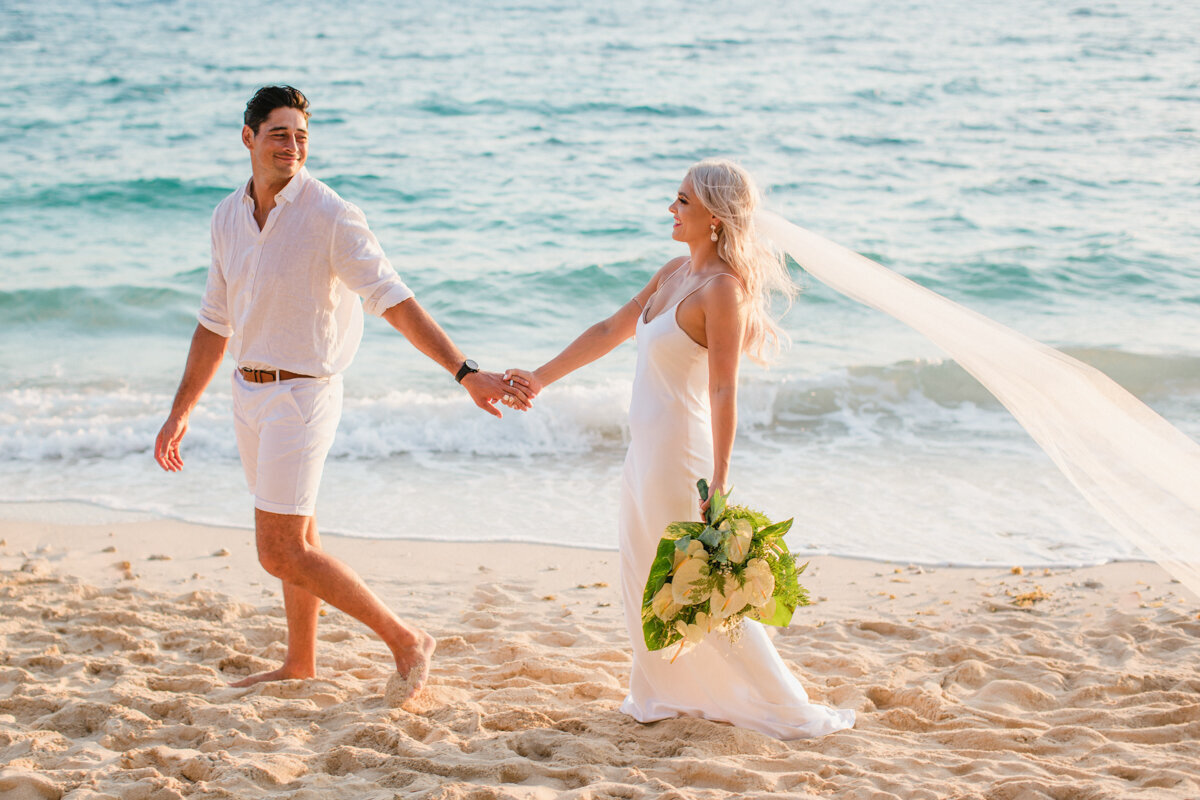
{"points": [[692, 220]]}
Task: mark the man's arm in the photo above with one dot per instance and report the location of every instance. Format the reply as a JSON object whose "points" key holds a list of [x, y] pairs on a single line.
{"points": [[427, 336], [204, 358]]}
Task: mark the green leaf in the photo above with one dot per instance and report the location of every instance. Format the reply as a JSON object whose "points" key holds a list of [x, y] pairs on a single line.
{"points": [[782, 616], [657, 634], [702, 485], [717, 507], [776, 531], [660, 569], [711, 538], [678, 530], [757, 519]]}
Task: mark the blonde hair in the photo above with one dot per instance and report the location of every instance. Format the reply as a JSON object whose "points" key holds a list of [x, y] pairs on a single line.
{"points": [[730, 194]]}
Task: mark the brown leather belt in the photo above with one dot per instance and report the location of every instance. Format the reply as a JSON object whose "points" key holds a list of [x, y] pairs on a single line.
{"points": [[268, 375]]}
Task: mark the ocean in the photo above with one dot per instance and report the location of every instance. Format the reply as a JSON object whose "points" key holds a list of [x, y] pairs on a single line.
{"points": [[1034, 160]]}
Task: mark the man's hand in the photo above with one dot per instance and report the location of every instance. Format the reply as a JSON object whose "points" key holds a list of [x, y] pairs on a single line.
{"points": [[166, 445], [204, 357], [486, 388]]}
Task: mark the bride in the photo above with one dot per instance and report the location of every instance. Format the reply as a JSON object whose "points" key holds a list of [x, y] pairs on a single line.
{"points": [[693, 321]]}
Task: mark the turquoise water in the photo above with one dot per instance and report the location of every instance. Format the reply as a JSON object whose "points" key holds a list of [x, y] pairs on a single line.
{"points": [[1034, 161]]}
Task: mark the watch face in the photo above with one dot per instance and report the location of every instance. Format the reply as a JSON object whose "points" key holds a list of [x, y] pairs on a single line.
{"points": [[466, 369]]}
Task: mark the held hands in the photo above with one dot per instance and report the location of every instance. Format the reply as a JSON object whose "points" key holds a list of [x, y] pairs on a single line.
{"points": [[486, 388], [525, 381]]}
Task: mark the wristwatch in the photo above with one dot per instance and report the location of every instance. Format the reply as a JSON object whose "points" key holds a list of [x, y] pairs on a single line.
{"points": [[466, 369]]}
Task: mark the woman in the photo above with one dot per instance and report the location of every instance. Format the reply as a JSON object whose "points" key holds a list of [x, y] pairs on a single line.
{"points": [[693, 321]]}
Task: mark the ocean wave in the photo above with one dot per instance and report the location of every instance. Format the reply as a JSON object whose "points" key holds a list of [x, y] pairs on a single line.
{"points": [[41, 424], [921, 403], [449, 107], [542, 300], [1012, 275], [873, 389], [97, 310], [122, 196], [479, 302]]}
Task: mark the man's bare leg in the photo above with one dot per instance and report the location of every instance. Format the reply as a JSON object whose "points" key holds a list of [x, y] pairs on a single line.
{"points": [[285, 551], [302, 609]]}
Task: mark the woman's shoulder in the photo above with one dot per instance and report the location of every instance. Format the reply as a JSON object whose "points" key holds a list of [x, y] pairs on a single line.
{"points": [[722, 294], [724, 283], [671, 266], [667, 270]]}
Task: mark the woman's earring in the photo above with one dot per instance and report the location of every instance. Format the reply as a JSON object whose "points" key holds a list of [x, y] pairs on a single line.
{"points": [[713, 235]]}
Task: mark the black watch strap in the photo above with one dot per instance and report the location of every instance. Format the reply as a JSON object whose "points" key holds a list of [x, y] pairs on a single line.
{"points": [[466, 369]]}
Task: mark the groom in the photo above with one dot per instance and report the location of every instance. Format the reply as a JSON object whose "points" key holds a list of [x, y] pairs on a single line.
{"points": [[290, 262]]}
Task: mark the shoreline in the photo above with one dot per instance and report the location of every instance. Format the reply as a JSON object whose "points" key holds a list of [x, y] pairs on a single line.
{"points": [[72, 513], [173, 559], [119, 640]]}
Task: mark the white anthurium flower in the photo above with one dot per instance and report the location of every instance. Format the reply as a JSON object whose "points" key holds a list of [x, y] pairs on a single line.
{"points": [[759, 582], [693, 634], [729, 602], [680, 557], [683, 586], [740, 541], [695, 549], [663, 605]]}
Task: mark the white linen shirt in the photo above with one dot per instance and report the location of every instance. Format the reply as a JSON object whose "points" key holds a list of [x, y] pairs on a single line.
{"points": [[288, 295]]}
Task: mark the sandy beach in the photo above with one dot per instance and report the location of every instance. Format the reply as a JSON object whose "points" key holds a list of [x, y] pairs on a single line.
{"points": [[119, 641]]}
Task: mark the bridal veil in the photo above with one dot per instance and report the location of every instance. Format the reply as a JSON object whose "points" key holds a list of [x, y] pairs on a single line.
{"points": [[1141, 473]]}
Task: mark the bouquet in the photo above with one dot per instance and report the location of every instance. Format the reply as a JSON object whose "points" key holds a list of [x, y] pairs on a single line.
{"points": [[708, 575]]}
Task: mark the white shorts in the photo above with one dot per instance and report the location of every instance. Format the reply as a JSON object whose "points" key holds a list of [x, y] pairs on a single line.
{"points": [[284, 431]]}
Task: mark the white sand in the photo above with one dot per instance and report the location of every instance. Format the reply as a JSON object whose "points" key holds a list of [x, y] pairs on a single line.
{"points": [[113, 680]]}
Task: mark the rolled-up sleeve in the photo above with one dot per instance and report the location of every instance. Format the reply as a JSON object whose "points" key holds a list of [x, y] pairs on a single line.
{"points": [[359, 262], [214, 307]]}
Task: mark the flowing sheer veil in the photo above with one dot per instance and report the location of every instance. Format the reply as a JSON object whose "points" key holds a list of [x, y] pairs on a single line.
{"points": [[1140, 472]]}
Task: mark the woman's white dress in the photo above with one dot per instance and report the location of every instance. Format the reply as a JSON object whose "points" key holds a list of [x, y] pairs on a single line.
{"points": [[746, 683]]}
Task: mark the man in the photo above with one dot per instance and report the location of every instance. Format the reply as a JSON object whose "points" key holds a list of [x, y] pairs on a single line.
{"points": [[290, 262]]}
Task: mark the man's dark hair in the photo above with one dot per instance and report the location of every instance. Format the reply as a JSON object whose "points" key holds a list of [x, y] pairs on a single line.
{"points": [[269, 98]]}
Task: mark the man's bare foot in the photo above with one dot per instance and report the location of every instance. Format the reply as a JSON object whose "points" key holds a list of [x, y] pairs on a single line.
{"points": [[284, 673], [412, 670]]}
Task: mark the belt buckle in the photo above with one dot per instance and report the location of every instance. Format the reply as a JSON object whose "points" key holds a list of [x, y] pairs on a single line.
{"points": [[260, 375]]}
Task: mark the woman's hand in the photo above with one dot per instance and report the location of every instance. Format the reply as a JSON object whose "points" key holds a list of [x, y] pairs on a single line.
{"points": [[530, 384]]}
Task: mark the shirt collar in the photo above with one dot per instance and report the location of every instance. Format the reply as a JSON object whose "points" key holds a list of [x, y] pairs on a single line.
{"points": [[287, 194]]}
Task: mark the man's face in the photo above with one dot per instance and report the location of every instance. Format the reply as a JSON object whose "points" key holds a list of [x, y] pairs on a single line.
{"points": [[280, 147]]}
